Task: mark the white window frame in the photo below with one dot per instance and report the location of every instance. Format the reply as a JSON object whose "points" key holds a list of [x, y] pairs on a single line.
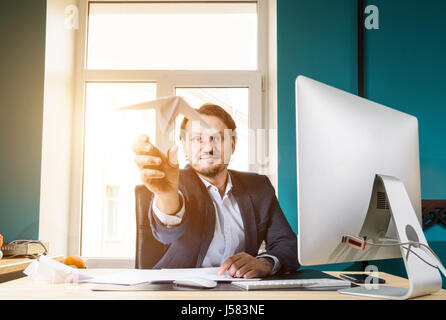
{"points": [[167, 81], [106, 220]]}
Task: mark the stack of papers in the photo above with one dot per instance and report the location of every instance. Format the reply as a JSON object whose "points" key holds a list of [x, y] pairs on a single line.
{"points": [[47, 269], [138, 276]]}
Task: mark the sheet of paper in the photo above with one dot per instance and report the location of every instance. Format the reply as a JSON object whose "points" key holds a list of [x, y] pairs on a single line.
{"points": [[129, 277], [208, 273], [137, 276], [47, 269]]}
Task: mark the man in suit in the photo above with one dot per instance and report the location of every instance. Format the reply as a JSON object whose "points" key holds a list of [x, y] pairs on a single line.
{"points": [[208, 215]]}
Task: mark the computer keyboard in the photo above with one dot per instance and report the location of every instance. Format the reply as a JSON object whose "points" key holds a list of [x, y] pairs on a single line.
{"points": [[293, 283]]}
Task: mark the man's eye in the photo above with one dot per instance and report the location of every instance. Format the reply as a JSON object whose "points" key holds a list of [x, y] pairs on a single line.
{"points": [[196, 139], [217, 139]]}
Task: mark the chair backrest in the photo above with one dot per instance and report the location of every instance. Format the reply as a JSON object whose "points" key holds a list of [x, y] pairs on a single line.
{"points": [[148, 250]]}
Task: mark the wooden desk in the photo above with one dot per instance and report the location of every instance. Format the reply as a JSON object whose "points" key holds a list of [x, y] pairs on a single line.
{"points": [[28, 289], [10, 265]]}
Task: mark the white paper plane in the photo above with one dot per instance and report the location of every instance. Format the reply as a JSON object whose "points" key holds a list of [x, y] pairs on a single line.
{"points": [[167, 109]]}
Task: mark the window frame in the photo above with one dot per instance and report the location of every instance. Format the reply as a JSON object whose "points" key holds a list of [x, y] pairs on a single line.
{"points": [[117, 237], [167, 81]]}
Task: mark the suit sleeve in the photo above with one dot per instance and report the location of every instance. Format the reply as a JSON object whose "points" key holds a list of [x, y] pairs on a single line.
{"points": [[168, 219], [167, 233], [280, 239]]}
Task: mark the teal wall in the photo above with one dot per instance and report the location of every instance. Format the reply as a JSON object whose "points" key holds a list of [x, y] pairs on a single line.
{"points": [[405, 68], [22, 59], [317, 39]]}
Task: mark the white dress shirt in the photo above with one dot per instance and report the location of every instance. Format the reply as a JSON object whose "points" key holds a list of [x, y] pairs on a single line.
{"points": [[229, 235]]}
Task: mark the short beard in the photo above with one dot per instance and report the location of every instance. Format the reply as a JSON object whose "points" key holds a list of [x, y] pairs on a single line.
{"points": [[211, 172]]}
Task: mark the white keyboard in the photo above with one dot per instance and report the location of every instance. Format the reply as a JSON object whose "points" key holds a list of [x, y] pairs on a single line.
{"points": [[293, 283]]}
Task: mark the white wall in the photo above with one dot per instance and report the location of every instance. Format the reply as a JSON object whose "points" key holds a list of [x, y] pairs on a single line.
{"points": [[57, 120]]}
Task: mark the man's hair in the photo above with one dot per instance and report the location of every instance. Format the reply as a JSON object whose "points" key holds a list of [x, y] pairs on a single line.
{"points": [[209, 109]]}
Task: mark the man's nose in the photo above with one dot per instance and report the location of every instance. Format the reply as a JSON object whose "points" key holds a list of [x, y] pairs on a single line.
{"points": [[207, 145]]}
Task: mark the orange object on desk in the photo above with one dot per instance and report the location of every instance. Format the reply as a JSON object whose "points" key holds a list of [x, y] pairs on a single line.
{"points": [[75, 261], [1, 243]]}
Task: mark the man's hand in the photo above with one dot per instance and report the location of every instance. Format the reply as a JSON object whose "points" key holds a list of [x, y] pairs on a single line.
{"points": [[159, 173], [243, 265]]}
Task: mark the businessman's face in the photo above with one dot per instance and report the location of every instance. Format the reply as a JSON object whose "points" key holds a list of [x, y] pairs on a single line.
{"points": [[209, 150]]}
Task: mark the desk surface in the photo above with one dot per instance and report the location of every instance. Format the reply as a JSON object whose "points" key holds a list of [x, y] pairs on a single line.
{"points": [[9, 265], [27, 289]]}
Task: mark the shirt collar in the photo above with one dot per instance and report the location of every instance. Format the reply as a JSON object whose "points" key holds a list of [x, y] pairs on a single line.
{"points": [[210, 185]]}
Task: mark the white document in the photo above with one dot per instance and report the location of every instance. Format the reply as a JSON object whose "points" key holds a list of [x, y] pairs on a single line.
{"points": [[47, 269], [208, 273], [137, 276]]}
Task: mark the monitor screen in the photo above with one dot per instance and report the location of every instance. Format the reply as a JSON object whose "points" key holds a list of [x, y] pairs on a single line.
{"points": [[343, 141]]}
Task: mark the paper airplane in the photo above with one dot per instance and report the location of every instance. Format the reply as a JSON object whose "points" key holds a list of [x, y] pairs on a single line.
{"points": [[167, 109]]}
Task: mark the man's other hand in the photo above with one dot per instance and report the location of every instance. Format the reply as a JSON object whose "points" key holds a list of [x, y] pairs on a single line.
{"points": [[243, 265]]}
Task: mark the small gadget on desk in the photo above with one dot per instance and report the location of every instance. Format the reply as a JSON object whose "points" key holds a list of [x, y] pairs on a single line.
{"points": [[201, 283], [24, 248], [361, 278], [358, 187]]}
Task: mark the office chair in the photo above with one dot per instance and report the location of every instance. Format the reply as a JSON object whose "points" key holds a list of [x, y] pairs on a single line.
{"points": [[148, 250]]}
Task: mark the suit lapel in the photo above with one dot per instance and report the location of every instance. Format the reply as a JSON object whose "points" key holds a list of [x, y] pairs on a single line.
{"points": [[206, 215], [244, 202], [206, 211]]}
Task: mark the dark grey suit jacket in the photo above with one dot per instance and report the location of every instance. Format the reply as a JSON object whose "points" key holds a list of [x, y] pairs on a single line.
{"points": [[262, 219]]}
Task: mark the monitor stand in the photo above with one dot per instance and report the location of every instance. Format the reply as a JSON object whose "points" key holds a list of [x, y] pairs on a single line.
{"points": [[390, 201]]}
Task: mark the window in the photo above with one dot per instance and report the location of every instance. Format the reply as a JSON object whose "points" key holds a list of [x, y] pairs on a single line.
{"points": [[138, 51], [174, 36], [112, 211], [110, 176]]}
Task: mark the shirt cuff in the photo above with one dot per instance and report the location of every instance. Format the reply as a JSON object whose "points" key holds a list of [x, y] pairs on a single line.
{"points": [[168, 219], [276, 266]]}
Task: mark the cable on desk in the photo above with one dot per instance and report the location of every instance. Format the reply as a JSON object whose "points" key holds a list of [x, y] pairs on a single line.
{"points": [[359, 243]]}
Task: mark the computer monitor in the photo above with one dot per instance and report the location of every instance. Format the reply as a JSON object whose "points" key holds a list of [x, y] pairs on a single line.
{"points": [[343, 142]]}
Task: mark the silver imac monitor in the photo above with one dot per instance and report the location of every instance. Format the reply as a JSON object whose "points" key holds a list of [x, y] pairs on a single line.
{"points": [[343, 142]]}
